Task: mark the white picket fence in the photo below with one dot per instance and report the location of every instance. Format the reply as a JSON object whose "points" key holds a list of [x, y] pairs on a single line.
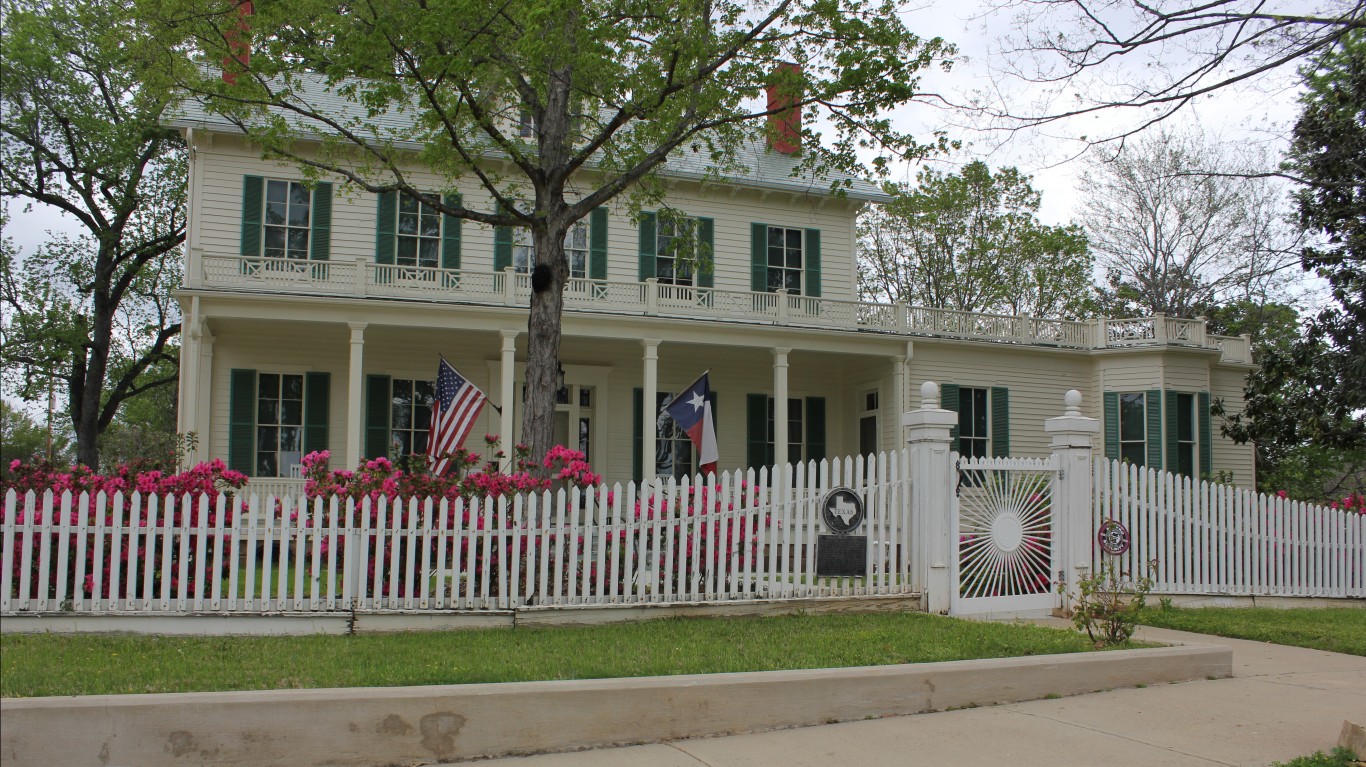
{"points": [[1205, 538], [746, 536]]}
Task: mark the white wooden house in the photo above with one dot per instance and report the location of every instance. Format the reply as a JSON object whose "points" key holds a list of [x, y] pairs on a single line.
{"points": [[314, 317]]}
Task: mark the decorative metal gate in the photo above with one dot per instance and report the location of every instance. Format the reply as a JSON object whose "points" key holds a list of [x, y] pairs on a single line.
{"points": [[1004, 535]]}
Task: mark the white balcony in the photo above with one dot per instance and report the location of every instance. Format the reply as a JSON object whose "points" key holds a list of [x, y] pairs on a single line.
{"points": [[362, 278]]}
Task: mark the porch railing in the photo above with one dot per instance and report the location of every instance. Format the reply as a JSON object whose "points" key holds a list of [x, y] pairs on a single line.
{"points": [[365, 279]]}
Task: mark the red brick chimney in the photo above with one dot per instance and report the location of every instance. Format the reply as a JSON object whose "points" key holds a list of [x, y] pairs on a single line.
{"points": [[239, 41], [785, 120]]}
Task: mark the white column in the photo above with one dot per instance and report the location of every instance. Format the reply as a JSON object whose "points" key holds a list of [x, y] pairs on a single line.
{"points": [[932, 498], [204, 405], [900, 402], [780, 434], [507, 385], [187, 412], [1074, 450], [354, 390], [648, 416]]}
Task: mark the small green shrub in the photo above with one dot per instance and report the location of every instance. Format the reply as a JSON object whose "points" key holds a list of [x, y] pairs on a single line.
{"points": [[1108, 602], [1341, 757]]}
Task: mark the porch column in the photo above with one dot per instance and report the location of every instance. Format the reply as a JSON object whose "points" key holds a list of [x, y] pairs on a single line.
{"points": [[900, 401], [355, 382], [932, 496], [507, 386], [203, 407], [187, 419], [648, 417], [1073, 449], [780, 435]]}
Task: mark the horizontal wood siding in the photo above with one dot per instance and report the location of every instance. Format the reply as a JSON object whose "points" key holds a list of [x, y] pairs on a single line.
{"points": [[1227, 383]]}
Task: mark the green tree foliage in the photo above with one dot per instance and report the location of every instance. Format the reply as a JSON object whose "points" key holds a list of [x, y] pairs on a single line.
{"points": [[1312, 391], [973, 241], [81, 135], [23, 439], [606, 90], [144, 431]]}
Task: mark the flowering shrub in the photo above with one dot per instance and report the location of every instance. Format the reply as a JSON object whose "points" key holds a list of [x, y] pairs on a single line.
{"points": [[1354, 503], [209, 479]]}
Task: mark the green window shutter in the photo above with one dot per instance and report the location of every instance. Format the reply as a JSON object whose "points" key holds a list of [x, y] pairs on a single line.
{"points": [[1000, 422], [386, 213], [649, 245], [253, 200], [320, 239], [637, 435], [948, 400], [811, 281], [451, 235], [242, 421], [502, 246], [1153, 403], [1111, 406], [706, 260], [377, 404], [815, 428], [756, 431], [1172, 416], [597, 244], [1206, 467], [758, 257], [317, 390]]}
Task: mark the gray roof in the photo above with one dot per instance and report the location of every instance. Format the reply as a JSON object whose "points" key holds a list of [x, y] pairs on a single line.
{"points": [[756, 166]]}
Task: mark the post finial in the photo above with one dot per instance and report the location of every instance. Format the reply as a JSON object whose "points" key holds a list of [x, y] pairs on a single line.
{"points": [[929, 395], [1072, 399]]}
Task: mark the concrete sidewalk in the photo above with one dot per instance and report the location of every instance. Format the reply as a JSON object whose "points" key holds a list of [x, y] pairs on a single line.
{"points": [[1282, 702]]}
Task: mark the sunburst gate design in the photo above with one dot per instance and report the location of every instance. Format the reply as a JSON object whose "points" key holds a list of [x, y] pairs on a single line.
{"points": [[1005, 534]]}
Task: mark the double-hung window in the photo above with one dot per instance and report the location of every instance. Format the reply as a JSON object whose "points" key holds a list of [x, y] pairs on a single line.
{"points": [[279, 423], [1133, 428], [287, 219], [785, 261], [410, 416], [417, 234], [575, 250], [274, 419], [676, 237], [1184, 438], [973, 420], [785, 258], [805, 431]]}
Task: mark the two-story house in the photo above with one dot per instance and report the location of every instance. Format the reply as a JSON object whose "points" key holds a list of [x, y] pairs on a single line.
{"points": [[314, 316]]}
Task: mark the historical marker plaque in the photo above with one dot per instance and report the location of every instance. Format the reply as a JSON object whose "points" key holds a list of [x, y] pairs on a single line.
{"points": [[842, 554]]}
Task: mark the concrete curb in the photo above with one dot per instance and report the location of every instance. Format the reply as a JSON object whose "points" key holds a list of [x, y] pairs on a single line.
{"points": [[425, 725]]}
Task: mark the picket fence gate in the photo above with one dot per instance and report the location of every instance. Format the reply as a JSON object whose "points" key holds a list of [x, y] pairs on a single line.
{"points": [[743, 536], [1198, 537]]}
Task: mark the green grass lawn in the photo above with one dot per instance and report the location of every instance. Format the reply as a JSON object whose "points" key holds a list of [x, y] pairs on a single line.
{"points": [[1333, 629], [51, 664]]}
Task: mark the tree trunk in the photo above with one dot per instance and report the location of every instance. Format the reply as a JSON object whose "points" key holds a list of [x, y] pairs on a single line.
{"points": [[543, 342], [86, 397]]}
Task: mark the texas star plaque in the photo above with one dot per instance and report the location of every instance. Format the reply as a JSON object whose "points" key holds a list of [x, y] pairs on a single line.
{"points": [[842, 554]]}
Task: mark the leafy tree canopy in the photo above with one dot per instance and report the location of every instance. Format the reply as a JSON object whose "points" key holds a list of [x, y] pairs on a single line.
{"points": [[972, 241], [607, 90], [82, 135], [1313, 391]]}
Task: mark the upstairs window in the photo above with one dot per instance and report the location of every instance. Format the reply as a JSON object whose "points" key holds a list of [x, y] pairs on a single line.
{"points": [[575, 250], [675, 236], [785, 259], [287, 219], [417, 233]]}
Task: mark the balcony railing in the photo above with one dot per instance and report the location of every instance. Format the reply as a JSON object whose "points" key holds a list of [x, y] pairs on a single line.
{"points": [[365, 279]]}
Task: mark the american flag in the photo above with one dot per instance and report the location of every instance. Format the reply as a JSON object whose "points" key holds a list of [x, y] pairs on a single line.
{"points": [[458, 403]]}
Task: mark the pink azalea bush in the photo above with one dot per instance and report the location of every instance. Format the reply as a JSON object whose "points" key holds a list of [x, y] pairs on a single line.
{"points": [[210, 479]]}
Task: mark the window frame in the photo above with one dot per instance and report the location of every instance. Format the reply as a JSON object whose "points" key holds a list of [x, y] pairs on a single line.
{"points": [[870, 409], [1187, 448], [974, 417], [260, 425], [286, 227], [424, 210], [524, 249], [1127, 444], [784, 272], [416, 424], [681, 271]]}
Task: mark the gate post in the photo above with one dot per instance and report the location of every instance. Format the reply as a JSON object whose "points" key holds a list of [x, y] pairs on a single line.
{"points": [[1072, 496], [933, 480]]}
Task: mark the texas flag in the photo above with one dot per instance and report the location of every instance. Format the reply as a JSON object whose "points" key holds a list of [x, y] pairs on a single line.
{"points": [[692, 410]]}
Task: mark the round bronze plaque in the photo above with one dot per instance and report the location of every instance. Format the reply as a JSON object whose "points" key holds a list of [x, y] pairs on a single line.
{"points": [[1113, 537], [842, 510]]}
